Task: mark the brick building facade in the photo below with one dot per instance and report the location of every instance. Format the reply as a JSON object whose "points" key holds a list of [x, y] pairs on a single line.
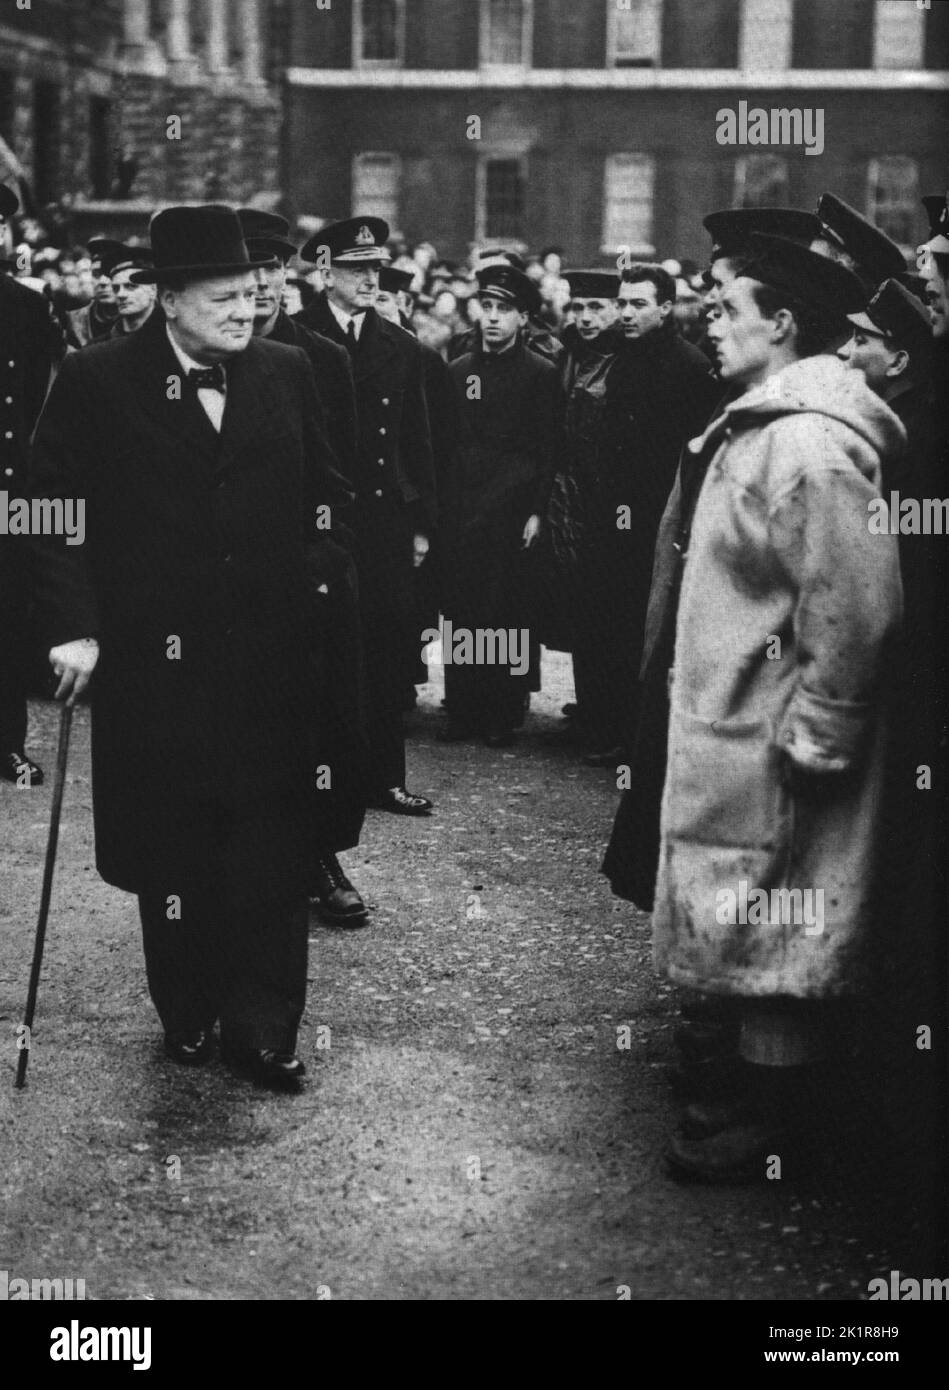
{"points": [[595, 120], [87, 88]]}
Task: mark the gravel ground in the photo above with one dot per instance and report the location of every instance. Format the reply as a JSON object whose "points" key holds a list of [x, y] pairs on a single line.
{"points": [[471, 1129]]}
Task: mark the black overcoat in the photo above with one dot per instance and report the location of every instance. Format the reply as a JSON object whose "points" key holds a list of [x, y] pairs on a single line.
{"points": [[508, 447], [192, 576]]}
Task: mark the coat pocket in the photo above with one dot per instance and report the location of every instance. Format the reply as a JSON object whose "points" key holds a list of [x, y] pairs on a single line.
{"points": [[724, 787]]}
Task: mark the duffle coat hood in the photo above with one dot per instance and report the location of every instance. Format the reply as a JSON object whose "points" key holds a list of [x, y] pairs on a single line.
{"points": [[788, 609]]}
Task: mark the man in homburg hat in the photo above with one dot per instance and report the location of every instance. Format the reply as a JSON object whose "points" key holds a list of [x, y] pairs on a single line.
{"points": [[199, 454], [788, 609], [395, 511]]}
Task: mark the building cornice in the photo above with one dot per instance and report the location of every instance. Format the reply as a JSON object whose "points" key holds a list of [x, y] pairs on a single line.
{"points": [[625, 79]]}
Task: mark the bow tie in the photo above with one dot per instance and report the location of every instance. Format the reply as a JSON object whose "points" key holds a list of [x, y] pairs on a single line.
{"points": [[208, 378]]}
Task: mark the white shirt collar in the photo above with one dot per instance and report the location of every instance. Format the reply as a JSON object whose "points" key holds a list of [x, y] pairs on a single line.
{"points": [[344, 319]]}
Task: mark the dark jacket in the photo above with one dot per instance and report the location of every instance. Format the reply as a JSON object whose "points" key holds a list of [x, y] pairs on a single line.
{"points": [[334, 381], [536, 336], [193, 536], [508, 447], [394, 451], [25, 361], [88, 325]]}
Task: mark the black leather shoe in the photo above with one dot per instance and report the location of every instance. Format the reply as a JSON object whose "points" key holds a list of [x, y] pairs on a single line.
{"points": [[334, 898], [280, 1071], [401, 802], [18, 768], [190, 1049]]}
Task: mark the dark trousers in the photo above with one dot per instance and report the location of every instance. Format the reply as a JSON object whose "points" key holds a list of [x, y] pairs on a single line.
{"points": [[387, 611], [488, 698], [224, 921], [13, 646]]}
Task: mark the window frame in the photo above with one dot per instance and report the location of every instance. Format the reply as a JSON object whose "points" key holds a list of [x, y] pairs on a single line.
{"points": [[358, 36], [739, 178], [482, 234], [396, 163], [612, 35], [485, 63], [874, 164], [644, 249]]}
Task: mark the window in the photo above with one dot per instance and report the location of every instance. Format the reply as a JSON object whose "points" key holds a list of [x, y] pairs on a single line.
{"points": [[899, 35], [376, 187], [628, 188], [505, 33], [765, 34], [100, 146], [500, 198], [634, 33], [378, 33], [46, 141], [761, 181], [893, 197]]}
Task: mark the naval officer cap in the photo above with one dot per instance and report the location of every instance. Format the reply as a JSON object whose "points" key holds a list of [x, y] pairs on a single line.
{"points": [[875, 256], [731, 230], [355, 241], [826, 287], [937, 210], [896, 314], [592, 284], [504, 281], [266, 234]]}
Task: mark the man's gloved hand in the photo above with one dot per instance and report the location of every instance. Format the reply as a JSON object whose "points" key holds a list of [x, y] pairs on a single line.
{"points": [[74, 663]]}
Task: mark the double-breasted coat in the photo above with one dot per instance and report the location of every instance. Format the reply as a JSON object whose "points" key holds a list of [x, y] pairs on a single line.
{"points": [[787, 615], [192, 577]]}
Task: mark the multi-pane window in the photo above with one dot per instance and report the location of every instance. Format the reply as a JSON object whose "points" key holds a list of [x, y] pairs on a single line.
{"points": [[376, 186], [378, 33], [501, 201], [47, 140], [764, 40], [761, 181], [899, 34], [505, 33], [634, 33], [893, 197], [628, 194]]}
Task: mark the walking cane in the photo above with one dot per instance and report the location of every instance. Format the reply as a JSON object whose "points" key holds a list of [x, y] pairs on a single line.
{"points": [[62, 752]]}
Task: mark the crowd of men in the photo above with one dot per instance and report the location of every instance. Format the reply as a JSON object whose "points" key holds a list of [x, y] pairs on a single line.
{"points": [[293, 459]]}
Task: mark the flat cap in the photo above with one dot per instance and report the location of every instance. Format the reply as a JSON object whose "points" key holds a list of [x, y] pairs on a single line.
{"points": [[731, 229], [592, 284], [266, 233], [895, 313], [875, 256], [827, 287], [507, 282]]}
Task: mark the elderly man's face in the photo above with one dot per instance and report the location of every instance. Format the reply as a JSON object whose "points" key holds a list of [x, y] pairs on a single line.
{"points": [[212, 319], [353, 288]]}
